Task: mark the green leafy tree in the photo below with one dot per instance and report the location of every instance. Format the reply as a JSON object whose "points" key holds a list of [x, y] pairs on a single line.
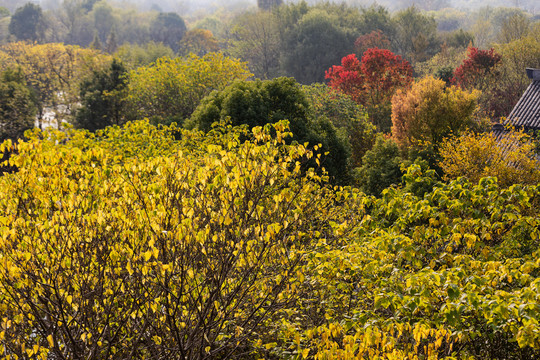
{"points": [[28, 23], [134, 56], [102, 98], [168, 28], [96, 43], [433, 276], [257, 103], [415, 37], [315, 43], [380, 167], [104, 19], [17, 108], [377, 18], [112, 44], [350, 119], [78, 24]]}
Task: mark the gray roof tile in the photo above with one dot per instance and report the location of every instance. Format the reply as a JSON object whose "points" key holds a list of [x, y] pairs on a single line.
{"points": [[526, 113]]}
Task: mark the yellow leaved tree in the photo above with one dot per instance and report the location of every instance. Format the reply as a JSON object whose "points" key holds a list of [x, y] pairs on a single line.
{"points": [[128, 243], [55, 72], [510, 158], [170, 89], [429, 111]]}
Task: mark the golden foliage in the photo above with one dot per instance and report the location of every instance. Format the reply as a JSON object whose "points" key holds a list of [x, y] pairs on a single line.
{"points": [[511, 158], [129, 243], [173, 88], [55, 71], [430, 111]]}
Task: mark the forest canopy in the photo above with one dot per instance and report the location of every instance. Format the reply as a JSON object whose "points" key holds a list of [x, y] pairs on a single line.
{"points": [[268, 180]]}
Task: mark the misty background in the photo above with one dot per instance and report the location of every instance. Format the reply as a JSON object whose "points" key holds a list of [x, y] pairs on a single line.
{"points": [[201, 8]]}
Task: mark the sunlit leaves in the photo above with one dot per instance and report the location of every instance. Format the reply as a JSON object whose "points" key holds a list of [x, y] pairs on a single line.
{"points": [[130, 242], [54, 71], [509, 158], [170, 89], [449, 275], [430, 111]]}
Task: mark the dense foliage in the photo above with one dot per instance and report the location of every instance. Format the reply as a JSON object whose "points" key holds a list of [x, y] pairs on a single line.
{"points": [[132, 244], [54, 72], [218, 227], [17, 109], [170, 89], [508, 155], [372, 81], [350, 119], [102, 99], [257, 103], [429, 112], [129, 243], [476, 70]]}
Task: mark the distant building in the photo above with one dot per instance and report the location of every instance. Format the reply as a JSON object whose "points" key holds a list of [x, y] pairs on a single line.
{"points": [[268, 4], [526, 114]]}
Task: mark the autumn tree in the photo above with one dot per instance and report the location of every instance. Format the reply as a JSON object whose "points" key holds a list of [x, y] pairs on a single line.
{"points": [[478, 69], [155, 247], [171, 89], [199, 42], [510, 157], [54, 72], [430, 111], [372, 82]]}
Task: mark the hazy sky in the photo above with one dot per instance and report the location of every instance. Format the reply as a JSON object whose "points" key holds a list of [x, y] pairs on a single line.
{"points": [[185, 7]]}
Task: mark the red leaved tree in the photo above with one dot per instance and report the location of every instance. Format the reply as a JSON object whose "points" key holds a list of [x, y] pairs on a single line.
{"points": [[372, 82], [347, 78], [478, 69]]}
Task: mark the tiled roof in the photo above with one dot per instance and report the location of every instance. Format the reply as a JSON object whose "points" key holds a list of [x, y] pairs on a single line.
{"points": [[526, 113]]}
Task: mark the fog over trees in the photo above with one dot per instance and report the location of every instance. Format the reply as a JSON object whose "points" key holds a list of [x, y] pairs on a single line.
{"points": [[191, 7]]}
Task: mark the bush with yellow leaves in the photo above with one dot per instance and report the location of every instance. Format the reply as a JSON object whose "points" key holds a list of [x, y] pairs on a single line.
{"points": [[510, 157]]}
